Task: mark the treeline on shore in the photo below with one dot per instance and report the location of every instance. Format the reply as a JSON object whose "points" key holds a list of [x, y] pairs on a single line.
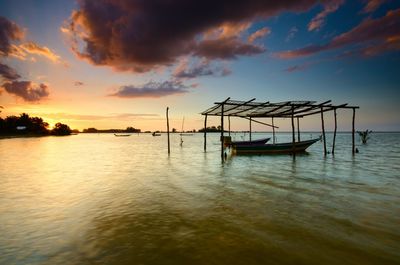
{"points": [[26, 125]]}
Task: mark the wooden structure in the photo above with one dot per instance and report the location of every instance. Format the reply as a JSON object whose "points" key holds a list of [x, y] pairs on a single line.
{"points": [[251, 110]]}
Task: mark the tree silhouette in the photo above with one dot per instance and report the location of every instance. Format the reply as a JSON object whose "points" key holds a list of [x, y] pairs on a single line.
{"points": [[61, 129]]}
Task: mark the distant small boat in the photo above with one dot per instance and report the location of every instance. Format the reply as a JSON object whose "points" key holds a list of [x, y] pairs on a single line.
{"points": [[186, 134], [122, 135], [156, 134], [281, 148]]}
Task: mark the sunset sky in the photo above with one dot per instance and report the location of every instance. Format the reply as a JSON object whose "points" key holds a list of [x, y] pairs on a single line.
{"points": [[113, 64]]}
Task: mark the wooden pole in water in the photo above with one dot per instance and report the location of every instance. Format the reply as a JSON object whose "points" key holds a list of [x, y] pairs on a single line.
{"points": [[323, 129], [334, 132], [169, 150], [273, 131], [293, 137], [250, 129], [298, 129], [205, 133], [222, 131], [229, 125], [353, 132]]}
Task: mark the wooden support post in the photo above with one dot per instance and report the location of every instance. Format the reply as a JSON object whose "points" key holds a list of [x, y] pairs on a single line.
{"points": [[273, 131], [250, 129], [229, 125], [298, 129], [205, 133], [334, 132], [323, 129], [353, 132], [169, 150], [293, 137], [222, 132]]}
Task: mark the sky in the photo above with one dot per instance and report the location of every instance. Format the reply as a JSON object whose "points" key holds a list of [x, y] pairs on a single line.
{"points": [[114, 64]]}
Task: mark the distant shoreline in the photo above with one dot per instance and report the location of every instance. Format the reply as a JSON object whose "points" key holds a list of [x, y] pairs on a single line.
{"points": [[8, 136]]}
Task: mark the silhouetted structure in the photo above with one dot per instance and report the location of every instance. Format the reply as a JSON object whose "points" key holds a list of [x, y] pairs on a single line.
{"points": [[251, 110]]}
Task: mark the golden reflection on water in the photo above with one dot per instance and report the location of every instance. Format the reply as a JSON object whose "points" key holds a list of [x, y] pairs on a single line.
{"points": [[100, 199]]}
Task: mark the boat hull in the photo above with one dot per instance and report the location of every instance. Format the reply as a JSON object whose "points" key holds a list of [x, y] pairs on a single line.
{"points": [[281, 148], [250, 143]]}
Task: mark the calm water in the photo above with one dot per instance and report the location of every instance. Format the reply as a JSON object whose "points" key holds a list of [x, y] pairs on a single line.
{"points": [[100, 199]]}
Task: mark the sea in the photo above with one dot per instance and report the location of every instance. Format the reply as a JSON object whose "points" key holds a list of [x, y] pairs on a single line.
{"points": [[101, 199]]}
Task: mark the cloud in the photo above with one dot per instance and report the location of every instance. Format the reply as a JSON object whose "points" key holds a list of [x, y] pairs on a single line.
{"points": [[86, 117], [78, 83], [195, 69], [142, 35], [292, 32], [8, 73], [383, 32], [9, 31], [318, 21], [296, 68], [33, 48], [372, 5], [151, 90], [27, 90], [226, 48], [259, 34]]}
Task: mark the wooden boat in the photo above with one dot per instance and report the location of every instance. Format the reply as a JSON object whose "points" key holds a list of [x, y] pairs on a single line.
{"points": [[121, 135], [253, 142], [156, 134], [280, 148]]}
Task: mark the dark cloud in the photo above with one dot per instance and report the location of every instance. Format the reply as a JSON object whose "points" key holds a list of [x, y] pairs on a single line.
{"points": [[151, 90], [141, 35], [226, 48], [203, 68], [296, 68], [383, 33], [373, 5], [9, 31], [26, 90], [78, 83], [8, 73]]}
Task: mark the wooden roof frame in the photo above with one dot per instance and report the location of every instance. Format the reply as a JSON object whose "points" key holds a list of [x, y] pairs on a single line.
{"points": [[252, 109]]}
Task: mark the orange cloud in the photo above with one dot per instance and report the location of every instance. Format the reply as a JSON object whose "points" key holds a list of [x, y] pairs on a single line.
{"points": [[259, 34], [33, 48], [318, 21]]}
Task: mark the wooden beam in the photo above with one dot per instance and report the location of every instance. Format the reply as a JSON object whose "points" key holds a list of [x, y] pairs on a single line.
{"points": [[229, 125], [291, 110], [273, 131], [293, 137], [205, 133], [222, 131], [250, 108], [298, 129], [353, 132], [274, 109], [239, 105], [312, 107], [250, 129], [263, 123], [323, 110], [323, 129], [334, 133], [169, 150]]}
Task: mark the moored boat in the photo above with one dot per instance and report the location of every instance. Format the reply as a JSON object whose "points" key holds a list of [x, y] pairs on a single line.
{"points": [[280, 148], [121, 135], [253, 142]]}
